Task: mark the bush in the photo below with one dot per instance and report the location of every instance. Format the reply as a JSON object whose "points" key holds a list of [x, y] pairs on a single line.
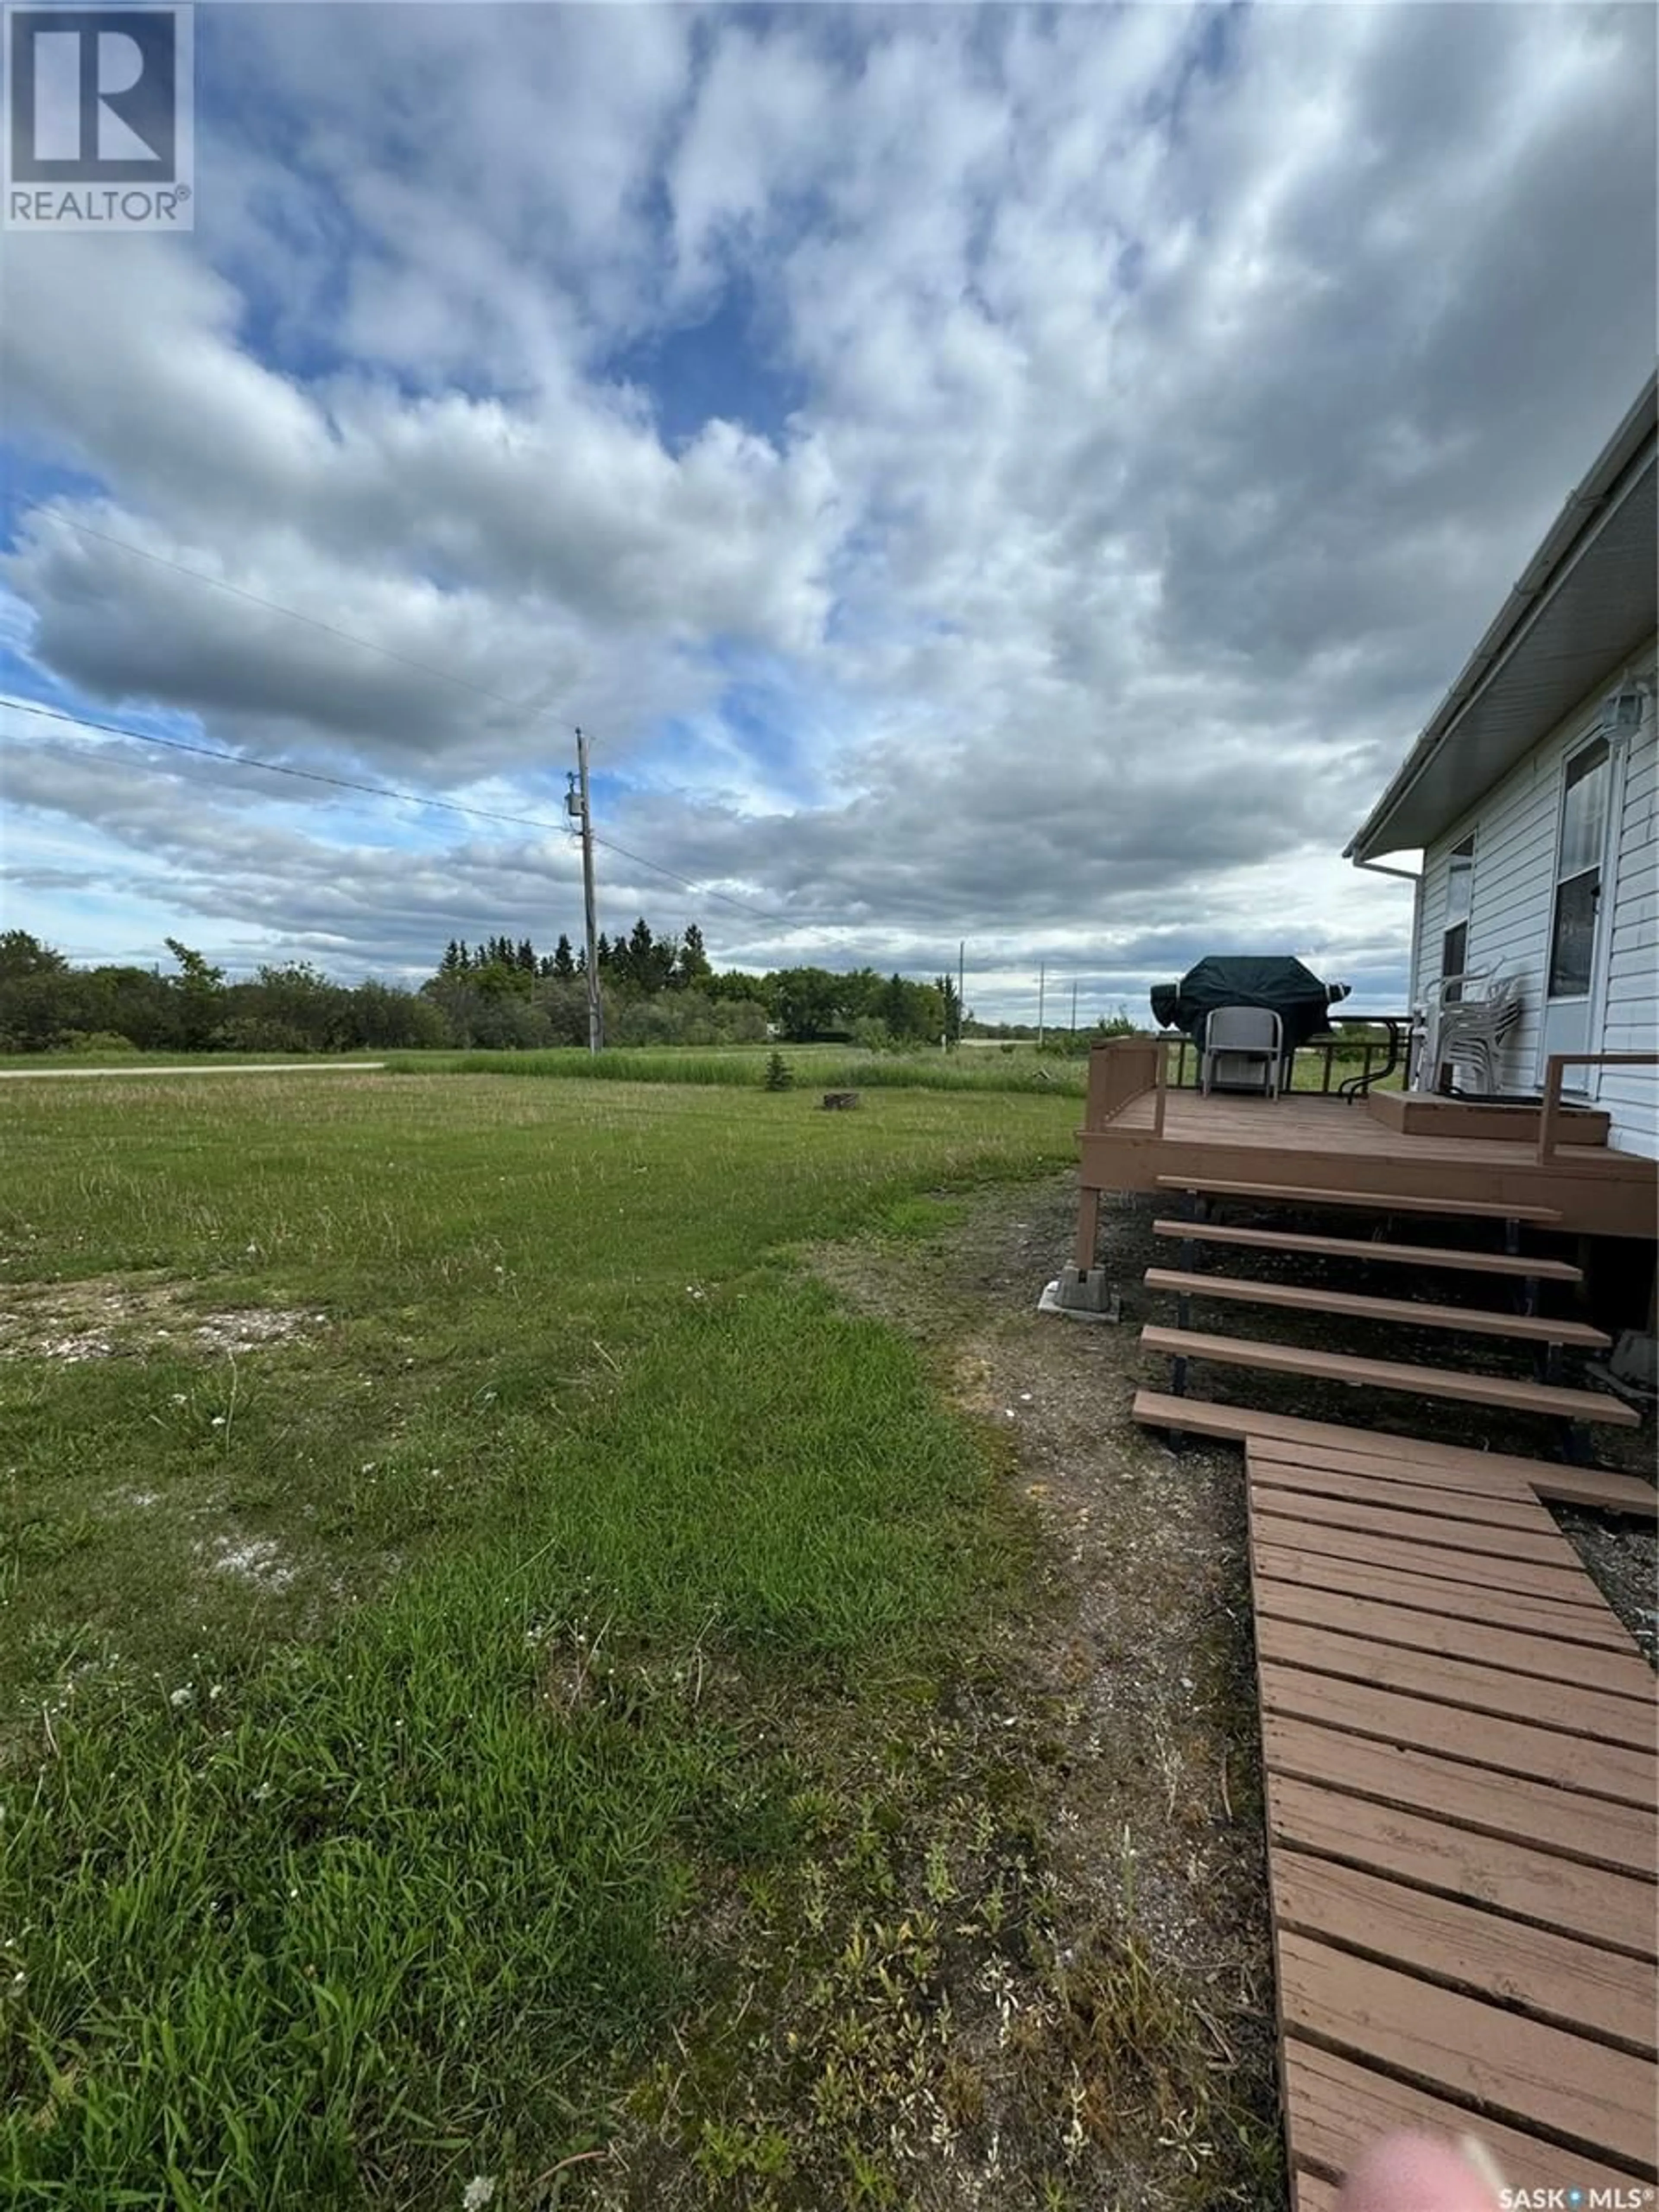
{"points": [[107, 1044], [780, 1076]]}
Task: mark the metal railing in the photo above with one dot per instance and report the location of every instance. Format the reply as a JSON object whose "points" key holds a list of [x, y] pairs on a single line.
{"points": [[1378, 1055]]}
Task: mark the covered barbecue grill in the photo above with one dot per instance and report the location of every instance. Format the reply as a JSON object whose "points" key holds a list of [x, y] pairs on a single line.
{"points": [[1284, 987]]}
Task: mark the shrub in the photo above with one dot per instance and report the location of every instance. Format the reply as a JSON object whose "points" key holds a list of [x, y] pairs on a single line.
{"points": [[107, 1044], [780, 1076]]}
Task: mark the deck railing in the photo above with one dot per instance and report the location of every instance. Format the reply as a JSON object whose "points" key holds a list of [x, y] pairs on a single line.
{"points": [[1554, 1113], [1120, 1070], [1373, 1052]]}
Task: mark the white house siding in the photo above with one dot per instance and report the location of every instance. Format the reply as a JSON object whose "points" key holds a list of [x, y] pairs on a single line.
{"points": [[1631, 1095], [1514, 830]]}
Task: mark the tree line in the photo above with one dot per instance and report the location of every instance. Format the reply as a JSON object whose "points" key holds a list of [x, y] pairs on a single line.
{"points": [[500, 993]]}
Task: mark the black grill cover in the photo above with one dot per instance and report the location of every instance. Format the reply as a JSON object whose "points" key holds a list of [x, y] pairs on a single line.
{"points": [[1284, 986]]}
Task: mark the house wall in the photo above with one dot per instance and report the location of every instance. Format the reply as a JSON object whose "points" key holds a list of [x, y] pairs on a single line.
{"points": [[1514, 830]]}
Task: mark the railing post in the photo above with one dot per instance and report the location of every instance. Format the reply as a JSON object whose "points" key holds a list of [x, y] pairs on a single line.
{"points": [[1548, 1117], [1096, 1102], [1161, 1090]]}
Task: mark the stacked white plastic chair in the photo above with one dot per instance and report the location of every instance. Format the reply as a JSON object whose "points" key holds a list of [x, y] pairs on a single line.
{"points": [[1464, 1026]]}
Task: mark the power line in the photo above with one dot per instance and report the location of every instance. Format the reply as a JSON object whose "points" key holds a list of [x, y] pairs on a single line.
{"points": [[341, 783], [276, 768], [293, 614], [760, 913], [384, 791]]}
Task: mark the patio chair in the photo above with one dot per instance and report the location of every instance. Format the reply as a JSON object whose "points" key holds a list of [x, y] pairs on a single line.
{"points": [[1243, 1046], [1465, 1026]]}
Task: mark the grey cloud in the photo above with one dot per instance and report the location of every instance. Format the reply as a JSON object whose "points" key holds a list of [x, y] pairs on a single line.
{"points": [[1177, 410]]}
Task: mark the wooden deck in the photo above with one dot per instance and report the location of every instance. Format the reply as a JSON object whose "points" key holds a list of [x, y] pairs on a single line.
{"points": [[1458, 1742], [1325, 1143]]}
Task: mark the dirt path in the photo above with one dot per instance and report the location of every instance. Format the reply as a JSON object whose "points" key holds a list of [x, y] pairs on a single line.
{"points": [[221, 1067], [1154, 1840]]}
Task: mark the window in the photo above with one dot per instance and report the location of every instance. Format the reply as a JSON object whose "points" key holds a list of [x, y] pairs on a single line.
{"points": [[1460, 888], [1578, 871]]}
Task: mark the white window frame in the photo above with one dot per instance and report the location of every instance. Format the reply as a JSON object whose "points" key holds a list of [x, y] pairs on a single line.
{"points": [[1586, 1082]]}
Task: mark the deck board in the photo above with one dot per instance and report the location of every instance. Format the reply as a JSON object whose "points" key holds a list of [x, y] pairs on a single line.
{"points": [[1553, 1977], [1596, 1631], [1323, 1146], [1607, 1491], [1612, 1674], [1461, 1781], [1471, 1686], [1619, 1838]]}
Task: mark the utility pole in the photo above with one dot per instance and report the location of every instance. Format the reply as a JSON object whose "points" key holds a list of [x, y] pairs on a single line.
{"points": [[1043, 981], [962, 950], [1074, 1006], [576, 803]]}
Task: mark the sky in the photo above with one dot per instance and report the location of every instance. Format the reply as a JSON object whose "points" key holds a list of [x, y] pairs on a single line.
{"points": [[1019, 475]]}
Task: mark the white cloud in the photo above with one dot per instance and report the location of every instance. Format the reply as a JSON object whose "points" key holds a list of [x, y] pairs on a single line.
{"points": [[1139, 415]]}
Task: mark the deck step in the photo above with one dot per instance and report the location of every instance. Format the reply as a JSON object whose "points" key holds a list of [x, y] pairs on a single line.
{"points": [[1556, 1484], [1479, 1321], [1394, 1375], [1362, 1247], [1376, 1202]]}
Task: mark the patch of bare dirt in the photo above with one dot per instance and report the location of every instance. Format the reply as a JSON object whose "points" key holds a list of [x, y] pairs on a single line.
{"points": [[1143, 1665], [254, 1560], [127, 1316]]}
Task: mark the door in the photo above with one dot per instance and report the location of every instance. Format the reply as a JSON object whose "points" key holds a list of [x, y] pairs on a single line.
{"points": [[1459, 899], [1573, 968]]}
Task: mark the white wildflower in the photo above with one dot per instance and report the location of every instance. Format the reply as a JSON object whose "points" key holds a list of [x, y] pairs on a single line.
{"points": [[179, 1399], [479, 2193], [185, 1695], [218, 1421]]}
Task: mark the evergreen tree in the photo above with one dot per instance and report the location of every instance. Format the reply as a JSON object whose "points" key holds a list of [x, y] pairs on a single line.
{"points": [[693, 968], [526, 955], [636, 960], [564, 966]]}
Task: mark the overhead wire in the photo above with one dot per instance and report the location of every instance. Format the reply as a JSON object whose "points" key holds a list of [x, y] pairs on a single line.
{"points": [[344, 783], [386, 791]]}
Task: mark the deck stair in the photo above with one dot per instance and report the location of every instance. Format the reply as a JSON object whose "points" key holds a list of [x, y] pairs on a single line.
{"points": [[1478, 1321], [1472, 1389], [1374, 1202], [1548, 1337], [1369, 1249]]}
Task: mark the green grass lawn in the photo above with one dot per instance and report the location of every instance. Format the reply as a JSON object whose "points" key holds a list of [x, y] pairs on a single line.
{"points": [[393, 1704], [823, 1067]]}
